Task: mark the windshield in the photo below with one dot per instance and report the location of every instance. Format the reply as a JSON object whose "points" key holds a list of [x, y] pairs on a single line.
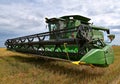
{"points": [[56, 26], [52, 26]]}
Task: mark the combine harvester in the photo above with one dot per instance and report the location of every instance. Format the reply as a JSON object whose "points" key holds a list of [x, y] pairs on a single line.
{"points": [[70, 38]]}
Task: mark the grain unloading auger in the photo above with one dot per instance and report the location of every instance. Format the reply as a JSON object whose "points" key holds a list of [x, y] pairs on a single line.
{"points": [[71, 38]]}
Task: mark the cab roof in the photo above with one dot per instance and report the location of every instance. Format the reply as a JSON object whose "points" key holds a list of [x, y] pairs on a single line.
{"points": [[78, 17]]}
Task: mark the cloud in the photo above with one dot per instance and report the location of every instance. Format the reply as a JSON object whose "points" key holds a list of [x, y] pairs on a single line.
{"points": [[116, 41], [115, 29], [102, 13], [23, 17], [19, 17]]}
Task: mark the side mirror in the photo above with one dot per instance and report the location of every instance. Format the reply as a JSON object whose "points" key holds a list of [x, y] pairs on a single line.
{"points": [[111, 37]]}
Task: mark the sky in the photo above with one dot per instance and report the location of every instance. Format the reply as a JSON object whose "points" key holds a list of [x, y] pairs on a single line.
{"points": [[25, 17]]}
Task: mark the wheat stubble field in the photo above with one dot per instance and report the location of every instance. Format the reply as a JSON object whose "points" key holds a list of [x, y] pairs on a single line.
{"points": [[18, 68]]}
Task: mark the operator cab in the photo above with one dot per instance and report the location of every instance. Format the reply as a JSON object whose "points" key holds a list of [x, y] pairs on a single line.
{"points": [[65, 22], [70, 21]]}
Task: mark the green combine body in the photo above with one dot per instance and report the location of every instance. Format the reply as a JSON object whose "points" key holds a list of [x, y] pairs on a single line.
{"points": [[71, 38]]}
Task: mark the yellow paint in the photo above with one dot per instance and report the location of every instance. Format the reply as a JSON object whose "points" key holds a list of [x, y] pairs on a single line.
{"points": [[78, 62]]}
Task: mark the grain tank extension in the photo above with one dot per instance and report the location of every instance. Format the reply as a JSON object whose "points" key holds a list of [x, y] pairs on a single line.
{"points": [[71, 38]]}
